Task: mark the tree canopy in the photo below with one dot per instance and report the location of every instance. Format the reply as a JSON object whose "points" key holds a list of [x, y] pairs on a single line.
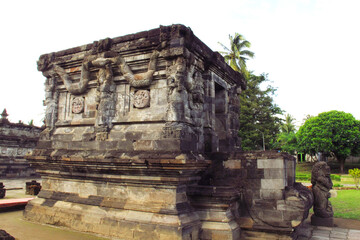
{"points": [[332, 132], [237, 54], [258, 115], [286, 140]]}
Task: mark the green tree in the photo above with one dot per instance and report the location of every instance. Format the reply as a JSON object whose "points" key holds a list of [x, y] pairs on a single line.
{"points": [[258, 115], [286, 139], [333, 132], [237, 54]]}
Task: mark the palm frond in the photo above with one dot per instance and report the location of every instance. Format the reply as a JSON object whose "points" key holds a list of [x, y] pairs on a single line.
{"points": [[224, 47], [247, 53]]}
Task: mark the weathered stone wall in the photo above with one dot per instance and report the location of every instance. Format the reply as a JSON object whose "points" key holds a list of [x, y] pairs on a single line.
{"points": [[148, 91], [16, 140], [264, 188]]}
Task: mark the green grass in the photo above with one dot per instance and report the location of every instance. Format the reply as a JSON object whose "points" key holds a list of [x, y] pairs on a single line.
{"points": [[346, 204], [304, 167]]}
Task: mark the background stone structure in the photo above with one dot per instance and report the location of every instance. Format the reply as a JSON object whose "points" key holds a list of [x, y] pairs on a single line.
{"points": [[141, 143], [16, 140]]}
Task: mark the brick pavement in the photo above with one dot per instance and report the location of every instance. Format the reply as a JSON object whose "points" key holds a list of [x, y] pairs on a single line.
{"points": [[335, 233]]}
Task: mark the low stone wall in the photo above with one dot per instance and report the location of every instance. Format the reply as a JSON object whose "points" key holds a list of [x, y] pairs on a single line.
{"points": [[264, 190], [16, 140]]}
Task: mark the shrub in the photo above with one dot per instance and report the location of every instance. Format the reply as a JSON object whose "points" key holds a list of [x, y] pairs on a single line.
{"points": [[338, 185], [335, 177], [303, 176], [355, 173]]}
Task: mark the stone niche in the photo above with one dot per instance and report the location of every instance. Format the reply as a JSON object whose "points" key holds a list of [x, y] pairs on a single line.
{"points": [[138, 129]]}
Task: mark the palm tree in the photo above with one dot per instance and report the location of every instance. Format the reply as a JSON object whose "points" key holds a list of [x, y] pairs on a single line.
{"points": [[288, 126], [287, 138], [237, 55]]}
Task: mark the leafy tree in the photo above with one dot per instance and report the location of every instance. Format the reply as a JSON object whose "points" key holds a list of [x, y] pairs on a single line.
{"points": [[258, 115], [286, 139], [332, 132], [237, 55]]}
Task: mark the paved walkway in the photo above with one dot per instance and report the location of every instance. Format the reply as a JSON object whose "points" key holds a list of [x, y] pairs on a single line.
{"points": [[324, 233]]}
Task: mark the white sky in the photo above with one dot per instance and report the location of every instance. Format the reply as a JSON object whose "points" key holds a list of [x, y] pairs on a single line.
{"points": [[309, 48]]}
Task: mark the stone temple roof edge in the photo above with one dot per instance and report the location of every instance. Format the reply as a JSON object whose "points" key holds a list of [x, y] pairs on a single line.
{"points": [[163, 33]]}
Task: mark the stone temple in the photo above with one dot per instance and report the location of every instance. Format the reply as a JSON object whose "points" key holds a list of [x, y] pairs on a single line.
{"points": [[141, 143], [16, 140]]}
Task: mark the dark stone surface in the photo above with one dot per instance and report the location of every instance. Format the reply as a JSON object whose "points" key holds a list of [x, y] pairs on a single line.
{"points": [[5, 236], [32, 188], [321, 185], [2, 190], [319, 221]]}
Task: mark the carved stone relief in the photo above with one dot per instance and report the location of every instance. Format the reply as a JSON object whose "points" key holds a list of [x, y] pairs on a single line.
{"points": [[141, 79], [51, 102], [78, 87], [142, 99], [78, 105], [196, 104], [177, 94], [105, 94]]}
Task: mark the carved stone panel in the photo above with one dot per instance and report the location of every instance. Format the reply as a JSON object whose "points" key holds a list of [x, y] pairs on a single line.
{"points": [[77, 105], [142, 99]]}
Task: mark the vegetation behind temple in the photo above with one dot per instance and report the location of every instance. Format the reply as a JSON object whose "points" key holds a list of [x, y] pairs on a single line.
{"points": [[332, 133], [259, 121]]}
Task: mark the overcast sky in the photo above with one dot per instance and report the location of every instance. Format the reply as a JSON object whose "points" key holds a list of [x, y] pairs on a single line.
{"points": [[309, 48]]}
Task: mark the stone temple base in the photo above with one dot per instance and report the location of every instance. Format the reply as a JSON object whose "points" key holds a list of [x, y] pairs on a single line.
{"points": [[319, 221], [113, 209]]}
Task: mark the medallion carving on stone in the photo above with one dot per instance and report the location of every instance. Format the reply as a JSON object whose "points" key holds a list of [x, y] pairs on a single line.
{"points": [[142, 99], [78, 105]]}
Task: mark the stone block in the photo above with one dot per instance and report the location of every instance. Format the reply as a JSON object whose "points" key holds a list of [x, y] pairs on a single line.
{"points": [[144, 145], [232, 164], [169, 144], [293, 214], [272, 184], [245, 222], [271, 216], [270, 163], [271, 173], [319, 221], [276, 194], [253, 173], [140, 235], [212, 215]]}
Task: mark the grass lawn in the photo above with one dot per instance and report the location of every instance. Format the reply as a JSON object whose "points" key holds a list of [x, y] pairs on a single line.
{"points": [[346, 204]]}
